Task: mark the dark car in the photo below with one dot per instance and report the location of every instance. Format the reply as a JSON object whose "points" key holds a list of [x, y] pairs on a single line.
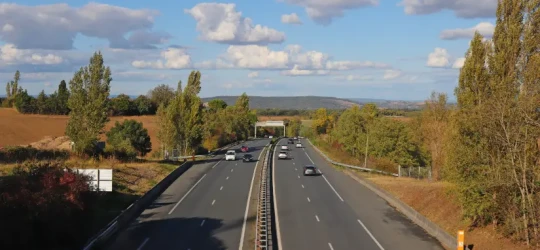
{"points": [[310, 170], [247, 158], [290, 141]]}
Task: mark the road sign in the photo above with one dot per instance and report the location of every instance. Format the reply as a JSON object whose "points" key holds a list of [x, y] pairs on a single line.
{"points": [[100, 179]]}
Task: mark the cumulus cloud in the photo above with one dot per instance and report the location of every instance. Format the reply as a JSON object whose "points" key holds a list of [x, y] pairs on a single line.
{"points": [[221, 23], [458, 63], [323, 12], [291, 19], [461, 8], [352, 65], [353, 78], [253, 74], [296, 71], [55, 26], [257, 57], [11, 55], [439, 58], [392, 74], [172, 58], [485, 29]]}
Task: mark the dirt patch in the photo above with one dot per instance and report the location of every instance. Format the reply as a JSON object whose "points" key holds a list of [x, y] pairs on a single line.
{"points": [[19, 129]]}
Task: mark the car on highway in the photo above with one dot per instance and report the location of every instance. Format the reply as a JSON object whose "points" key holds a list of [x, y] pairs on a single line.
{"points": [[270, 137], [230, 155], [244, 149], [298, 145], [310, 170], [296, 138], [283, 155], [290, 141], [284, 147], [247, 158]]}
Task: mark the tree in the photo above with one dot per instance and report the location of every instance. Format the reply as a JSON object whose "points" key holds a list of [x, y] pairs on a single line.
{"points": [[121, 105], [370, 113], [12, 89], [191, 111], [320, 121], [216, 104], [62, 99], [41, 103], [161, 94], [351, 130], [25, 103], [129, 133], [89, 104], [143, 105]]}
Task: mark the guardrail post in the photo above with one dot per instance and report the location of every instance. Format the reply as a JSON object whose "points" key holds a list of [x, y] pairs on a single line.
{"points": [[399, 170], [461, 240]]}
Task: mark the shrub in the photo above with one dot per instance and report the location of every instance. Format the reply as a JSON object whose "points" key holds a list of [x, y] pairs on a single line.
{"points": [[21, 154], [128, 137]]}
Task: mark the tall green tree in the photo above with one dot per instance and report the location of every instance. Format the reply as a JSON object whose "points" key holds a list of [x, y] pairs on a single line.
{"points": [[216, 105], [132, 133], [351, 131], [62, 98], [192, 113], [162, 94], [41, 103], [89, 103]]}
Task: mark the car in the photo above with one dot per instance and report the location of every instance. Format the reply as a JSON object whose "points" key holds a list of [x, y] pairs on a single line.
{"points": [[290, 141], [244, 149], [296, 138], [270, 137], [310, 170], [230, 155], [247, 158], [284, 147], [298, 145], [282, 155]]}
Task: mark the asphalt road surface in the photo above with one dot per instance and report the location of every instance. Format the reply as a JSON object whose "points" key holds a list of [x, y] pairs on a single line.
{"points": [[334, 212], [203, 209]]}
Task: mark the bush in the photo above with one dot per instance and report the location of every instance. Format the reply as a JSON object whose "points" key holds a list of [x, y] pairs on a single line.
{"points": [[127, 138], [42, 206], [21, 154]]}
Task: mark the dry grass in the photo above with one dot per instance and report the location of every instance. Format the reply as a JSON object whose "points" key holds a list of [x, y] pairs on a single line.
{"points": [[19, 129]]}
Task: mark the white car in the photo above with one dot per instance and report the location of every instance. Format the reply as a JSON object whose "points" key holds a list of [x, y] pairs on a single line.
{"points": [[270, 137], [284, 147], [282, 155], [230, 155], [299, 145]]}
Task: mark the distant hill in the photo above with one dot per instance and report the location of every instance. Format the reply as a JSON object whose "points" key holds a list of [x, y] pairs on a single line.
{"points": [[315, 102]]}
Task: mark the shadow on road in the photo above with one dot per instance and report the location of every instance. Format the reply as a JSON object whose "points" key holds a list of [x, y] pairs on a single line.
{"points": [[410, 228]]}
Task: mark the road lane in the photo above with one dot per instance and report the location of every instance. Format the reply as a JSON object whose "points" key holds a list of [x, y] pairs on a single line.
{"points": [[209, 217], [350, 216]]}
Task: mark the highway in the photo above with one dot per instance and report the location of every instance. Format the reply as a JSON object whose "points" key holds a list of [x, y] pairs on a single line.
{"points": [[203, 209], [334, 212]]}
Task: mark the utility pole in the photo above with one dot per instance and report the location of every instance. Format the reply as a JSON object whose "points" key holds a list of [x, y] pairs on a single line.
{"points": [[367, 145]]}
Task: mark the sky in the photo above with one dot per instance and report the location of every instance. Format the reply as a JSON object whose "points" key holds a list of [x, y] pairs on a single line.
{"points": [[384, 49]]}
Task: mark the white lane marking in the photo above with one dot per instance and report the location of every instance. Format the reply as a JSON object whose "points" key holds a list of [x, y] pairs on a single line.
{"points": [[309, 158], [371, 235], [308, 199], [317, 217], [241, 246], [144, 243], [216, 163], [280, 246], [299, 177], [295, 169], [227, 178], [185, 195], [236, 164], [302, 186], [202, 223], [293, 163], [221, 188], [330, 245], [214, 201], [333, 188], [232, 169]]}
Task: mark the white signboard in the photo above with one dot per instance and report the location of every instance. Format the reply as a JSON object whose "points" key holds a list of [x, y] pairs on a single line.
{"points": [[100, 179], [270, 124]]}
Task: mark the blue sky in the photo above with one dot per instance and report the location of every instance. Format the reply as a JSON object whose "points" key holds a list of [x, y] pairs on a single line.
{"points": [[388, 49]]}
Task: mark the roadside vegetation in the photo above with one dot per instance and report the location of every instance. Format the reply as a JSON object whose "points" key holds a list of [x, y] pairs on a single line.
{"points": [[485, 148]]}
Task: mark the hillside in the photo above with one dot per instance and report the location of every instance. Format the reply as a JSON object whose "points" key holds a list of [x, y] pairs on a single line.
{"points": [[289, 102]]}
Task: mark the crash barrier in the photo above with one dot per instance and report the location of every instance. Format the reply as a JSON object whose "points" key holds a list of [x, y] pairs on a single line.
{"points": [[136, 208], [263, 229], [350, 166]]}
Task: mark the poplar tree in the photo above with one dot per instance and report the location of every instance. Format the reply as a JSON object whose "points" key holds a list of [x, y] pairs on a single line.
{"points": [[89, 104], [192, 113]]}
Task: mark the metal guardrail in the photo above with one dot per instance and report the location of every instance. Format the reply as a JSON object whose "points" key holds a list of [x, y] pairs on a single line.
{"points": [[263, 235], [350, 166]]}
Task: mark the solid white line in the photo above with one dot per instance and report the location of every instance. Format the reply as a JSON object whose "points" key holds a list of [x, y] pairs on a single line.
{"points": [[227, 178], [221, 188], [302, 186], [144, 243], [330, 245], [371, 235], [295, 169], [308, 199], [214, 201], [332, 188], [309, 158], [202, 223], [232, 169], [216, 163], [293, 163], [317, 217], [299, 177], [278, 230], [241, 246], [185, 195]]}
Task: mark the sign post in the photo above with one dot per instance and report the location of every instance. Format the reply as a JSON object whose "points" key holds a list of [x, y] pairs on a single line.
{"points": [[461, 240]]}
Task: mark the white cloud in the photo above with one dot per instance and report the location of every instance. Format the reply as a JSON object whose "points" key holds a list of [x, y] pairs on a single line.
{"points": [[353, 78], [55, 26], [485, 29], [352, 65], [392, 74], [296, 71], [291, 19], [217, 64], [257, 57], [458, 63], [253, 74], [461, 8], [172, 58], [140, 76], [323, 12], [221, 23], [10, 55], [439, 58]]}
